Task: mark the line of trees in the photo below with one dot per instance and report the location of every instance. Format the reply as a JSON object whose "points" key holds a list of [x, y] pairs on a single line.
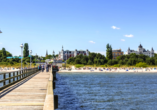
{"points": [[26, 57], [98, 59]]}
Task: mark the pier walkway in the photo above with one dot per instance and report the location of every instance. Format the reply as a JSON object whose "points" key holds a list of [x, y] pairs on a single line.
{"points": [[27, 94]]}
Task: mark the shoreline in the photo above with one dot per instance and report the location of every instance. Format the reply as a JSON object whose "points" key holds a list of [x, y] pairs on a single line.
{"points": [[106, 71]]}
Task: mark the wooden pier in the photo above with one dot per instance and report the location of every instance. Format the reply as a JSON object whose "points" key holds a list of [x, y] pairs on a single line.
{"points": [[32, 93]]}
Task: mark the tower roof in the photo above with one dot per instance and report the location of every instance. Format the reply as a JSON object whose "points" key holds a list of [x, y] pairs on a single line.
{"points": [[129, 48], [62, 47], [140, 46], [152, 49]]}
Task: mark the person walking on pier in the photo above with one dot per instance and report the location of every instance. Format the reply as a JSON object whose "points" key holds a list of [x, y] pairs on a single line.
{"points": [[47, 67], [42, 68]]}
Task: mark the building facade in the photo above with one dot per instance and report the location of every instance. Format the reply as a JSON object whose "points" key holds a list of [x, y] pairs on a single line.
{"points": [[141, 50], [116, 53], [66, 54]]}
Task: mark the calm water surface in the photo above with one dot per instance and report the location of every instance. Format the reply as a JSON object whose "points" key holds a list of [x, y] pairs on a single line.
{"points": [[106, 91]]}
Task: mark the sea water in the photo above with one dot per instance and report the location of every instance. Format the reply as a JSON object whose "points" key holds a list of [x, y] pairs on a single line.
{"points": [[106, 91]]}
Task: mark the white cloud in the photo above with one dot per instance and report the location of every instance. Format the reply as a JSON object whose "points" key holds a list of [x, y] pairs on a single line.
{"points": [[1, 43], [155, 51], [101, 52], [123, 40], [92, 42], [129, 35], [114, 27]]}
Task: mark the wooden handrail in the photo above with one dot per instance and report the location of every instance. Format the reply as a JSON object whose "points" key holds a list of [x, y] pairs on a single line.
{"points": [[20, 74], [16, 71]]}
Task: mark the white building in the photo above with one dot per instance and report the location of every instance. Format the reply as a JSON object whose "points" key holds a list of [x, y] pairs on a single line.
{"points": [[64, 55], [141, 50]]}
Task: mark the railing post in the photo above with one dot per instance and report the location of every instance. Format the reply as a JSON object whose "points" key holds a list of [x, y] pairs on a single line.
{"points": [[9, 77], [14, 77], [4, 77]]}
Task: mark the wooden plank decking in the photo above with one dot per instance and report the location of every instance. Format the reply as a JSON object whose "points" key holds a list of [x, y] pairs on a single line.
{"points": [[28, 94]]}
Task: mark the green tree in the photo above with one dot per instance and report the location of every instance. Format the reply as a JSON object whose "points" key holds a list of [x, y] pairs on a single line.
{"points": [[71, 60], [48, 56], [98, 61], [140, 60], [77, 61], [114, 62], [121, 62], [156, 62], [95, 60], [84, 60], [109, 62], [126, 60], [109, 52], [90, 62], [91, 57], [148, 61], [4, 54], [155, 55], [25, 51], [102, 61], [129, 62]]}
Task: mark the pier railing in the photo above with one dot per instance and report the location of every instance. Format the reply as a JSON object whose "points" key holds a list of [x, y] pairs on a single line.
{"points": [[9, 78]]}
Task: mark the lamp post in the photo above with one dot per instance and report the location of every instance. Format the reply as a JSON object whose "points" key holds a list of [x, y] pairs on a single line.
{"points": [[30, 57], [54, 58], [21, 54]]}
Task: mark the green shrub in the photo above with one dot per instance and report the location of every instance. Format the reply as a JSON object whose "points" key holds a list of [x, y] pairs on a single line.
{"points": [[116, 65], [79, 65], [141, 64]]}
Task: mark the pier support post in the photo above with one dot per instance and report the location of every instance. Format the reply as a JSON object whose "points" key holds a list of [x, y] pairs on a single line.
{"points": [[54, 86], [55, 101], [54, 70]]}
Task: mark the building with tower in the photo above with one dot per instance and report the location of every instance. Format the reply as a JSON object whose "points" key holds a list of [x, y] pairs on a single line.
{"points": [[66, 54], [141, 50]]}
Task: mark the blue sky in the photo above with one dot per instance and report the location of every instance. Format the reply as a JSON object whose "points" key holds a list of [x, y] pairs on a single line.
{"points": [[77, 24]]}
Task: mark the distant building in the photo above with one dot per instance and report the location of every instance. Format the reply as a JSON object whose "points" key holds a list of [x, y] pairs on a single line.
{"points": [[116, 53], [64, 55], [141, 50]]}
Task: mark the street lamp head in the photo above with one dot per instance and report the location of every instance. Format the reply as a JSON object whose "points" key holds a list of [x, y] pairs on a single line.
{"points": [[0, 31], [30, 51], [21, 45]]}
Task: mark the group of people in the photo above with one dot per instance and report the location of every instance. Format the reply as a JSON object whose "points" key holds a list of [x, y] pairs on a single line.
{"points": [[44, 66]]}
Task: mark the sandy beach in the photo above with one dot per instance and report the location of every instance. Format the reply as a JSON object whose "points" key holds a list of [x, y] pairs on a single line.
{"points": [[118, 70]]}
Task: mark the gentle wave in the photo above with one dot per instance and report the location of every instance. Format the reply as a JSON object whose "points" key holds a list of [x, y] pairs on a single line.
{"points": [[105, 91]]}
